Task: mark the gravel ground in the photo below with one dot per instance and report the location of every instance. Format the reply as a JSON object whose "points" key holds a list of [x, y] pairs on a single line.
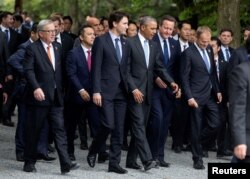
{"points": [[181, 164]]}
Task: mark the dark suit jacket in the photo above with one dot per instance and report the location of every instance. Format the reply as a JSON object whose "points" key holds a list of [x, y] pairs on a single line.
{"points": [[239, 105], [239, 55], [221, 56], [25, 34], [107, 72], [223, 79], [4, 54], [196, 80], [174, 55], [14, 42], [140, 76], [39, 73], [78, 75]]}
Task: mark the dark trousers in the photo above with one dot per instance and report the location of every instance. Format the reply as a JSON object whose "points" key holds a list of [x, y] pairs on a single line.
{"points": [[223, 137], [159, 121], [112, 114], [201, 137], [42, 147], [180, 121], [75, 114], [138, 145], [36, 117]]}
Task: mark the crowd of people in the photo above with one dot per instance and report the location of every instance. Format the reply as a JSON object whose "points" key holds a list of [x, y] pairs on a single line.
{"points": [[148, 79]]}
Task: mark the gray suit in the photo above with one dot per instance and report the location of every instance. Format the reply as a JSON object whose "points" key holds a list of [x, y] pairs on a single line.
{"points": [[142, 77], [239, 105]]}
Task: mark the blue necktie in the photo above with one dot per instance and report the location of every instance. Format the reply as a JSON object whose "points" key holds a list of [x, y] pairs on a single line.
{"points": [[117, 49], [227, 54], [166, 56], [146, 51], [7, 35], [206, 60]]}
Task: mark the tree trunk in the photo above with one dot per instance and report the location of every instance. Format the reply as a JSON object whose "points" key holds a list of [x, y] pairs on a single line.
{"points": [[18, 6], [229, 17], [74, 13]]}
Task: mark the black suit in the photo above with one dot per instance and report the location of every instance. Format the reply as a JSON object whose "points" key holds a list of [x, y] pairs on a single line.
{"points": [[4, 54], [202, 85], [239, 108], [163, 101], [239, 55], [109, 78], [141, 77], [39, 73]]}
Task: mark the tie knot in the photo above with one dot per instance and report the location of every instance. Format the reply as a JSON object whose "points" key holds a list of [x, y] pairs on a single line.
{"points": [[117, 40], [48, 47], [6, 30], [164, 41], [88, 51]]}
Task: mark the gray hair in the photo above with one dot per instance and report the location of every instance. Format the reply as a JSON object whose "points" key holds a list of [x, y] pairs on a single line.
{"points": [[144, 20], [203, 29], [43, 23]]}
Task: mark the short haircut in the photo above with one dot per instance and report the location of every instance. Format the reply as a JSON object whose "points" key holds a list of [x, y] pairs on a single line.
{"points": [[84, 26], [102, 19], [68, 18], [146, 19], [34, 27], [202, 29], [247, 28], [56, 17], [226, 30], [167, 18], [218, 42], [18, 18], [4, 14], [116, 17], [181, 23], [43, 23]]}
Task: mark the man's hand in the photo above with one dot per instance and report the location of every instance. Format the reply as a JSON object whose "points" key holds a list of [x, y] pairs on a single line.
{"points": [[219, 97], [192, 103], [178, 94], [160, 83], [97, 99], [138, 96], [5, 97], [174, 87], [240, 151], [8, 78], [84, 95], [39, 95]]}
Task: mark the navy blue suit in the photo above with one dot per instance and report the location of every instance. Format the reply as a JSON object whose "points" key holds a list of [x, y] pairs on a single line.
{"points": [[77, 109], [109, 77], [162, 104], [203, 86]]}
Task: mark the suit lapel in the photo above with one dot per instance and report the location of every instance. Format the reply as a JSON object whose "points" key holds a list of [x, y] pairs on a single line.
{"points": [[44, 54], [110, 43], [82, 58], [123, 44], [57, 55], [140, 49], [201, 58]]}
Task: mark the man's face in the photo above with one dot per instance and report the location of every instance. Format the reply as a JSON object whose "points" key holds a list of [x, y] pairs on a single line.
{"points": [[166, 29], [149, 30], [48, 33], [88, 36], [8, 21], [214, 46], [132, 30], [203, 40], [95, 23], [184, 32], [226, 38], [122, 26], [57, 27], [67, 25], [246, 34]]}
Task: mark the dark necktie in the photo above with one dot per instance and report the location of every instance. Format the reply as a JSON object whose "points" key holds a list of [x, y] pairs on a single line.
{"points": [[117, 49], [227, 54], [7, 35], [205, 59], [166, 56], [184, 47], [89, 59]]}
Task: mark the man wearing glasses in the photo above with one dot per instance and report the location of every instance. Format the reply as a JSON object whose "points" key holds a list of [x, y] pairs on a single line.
{"points": [[42, 67]]}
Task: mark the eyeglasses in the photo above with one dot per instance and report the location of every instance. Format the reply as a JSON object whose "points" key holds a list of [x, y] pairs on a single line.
{"points": [[49, 31]]}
